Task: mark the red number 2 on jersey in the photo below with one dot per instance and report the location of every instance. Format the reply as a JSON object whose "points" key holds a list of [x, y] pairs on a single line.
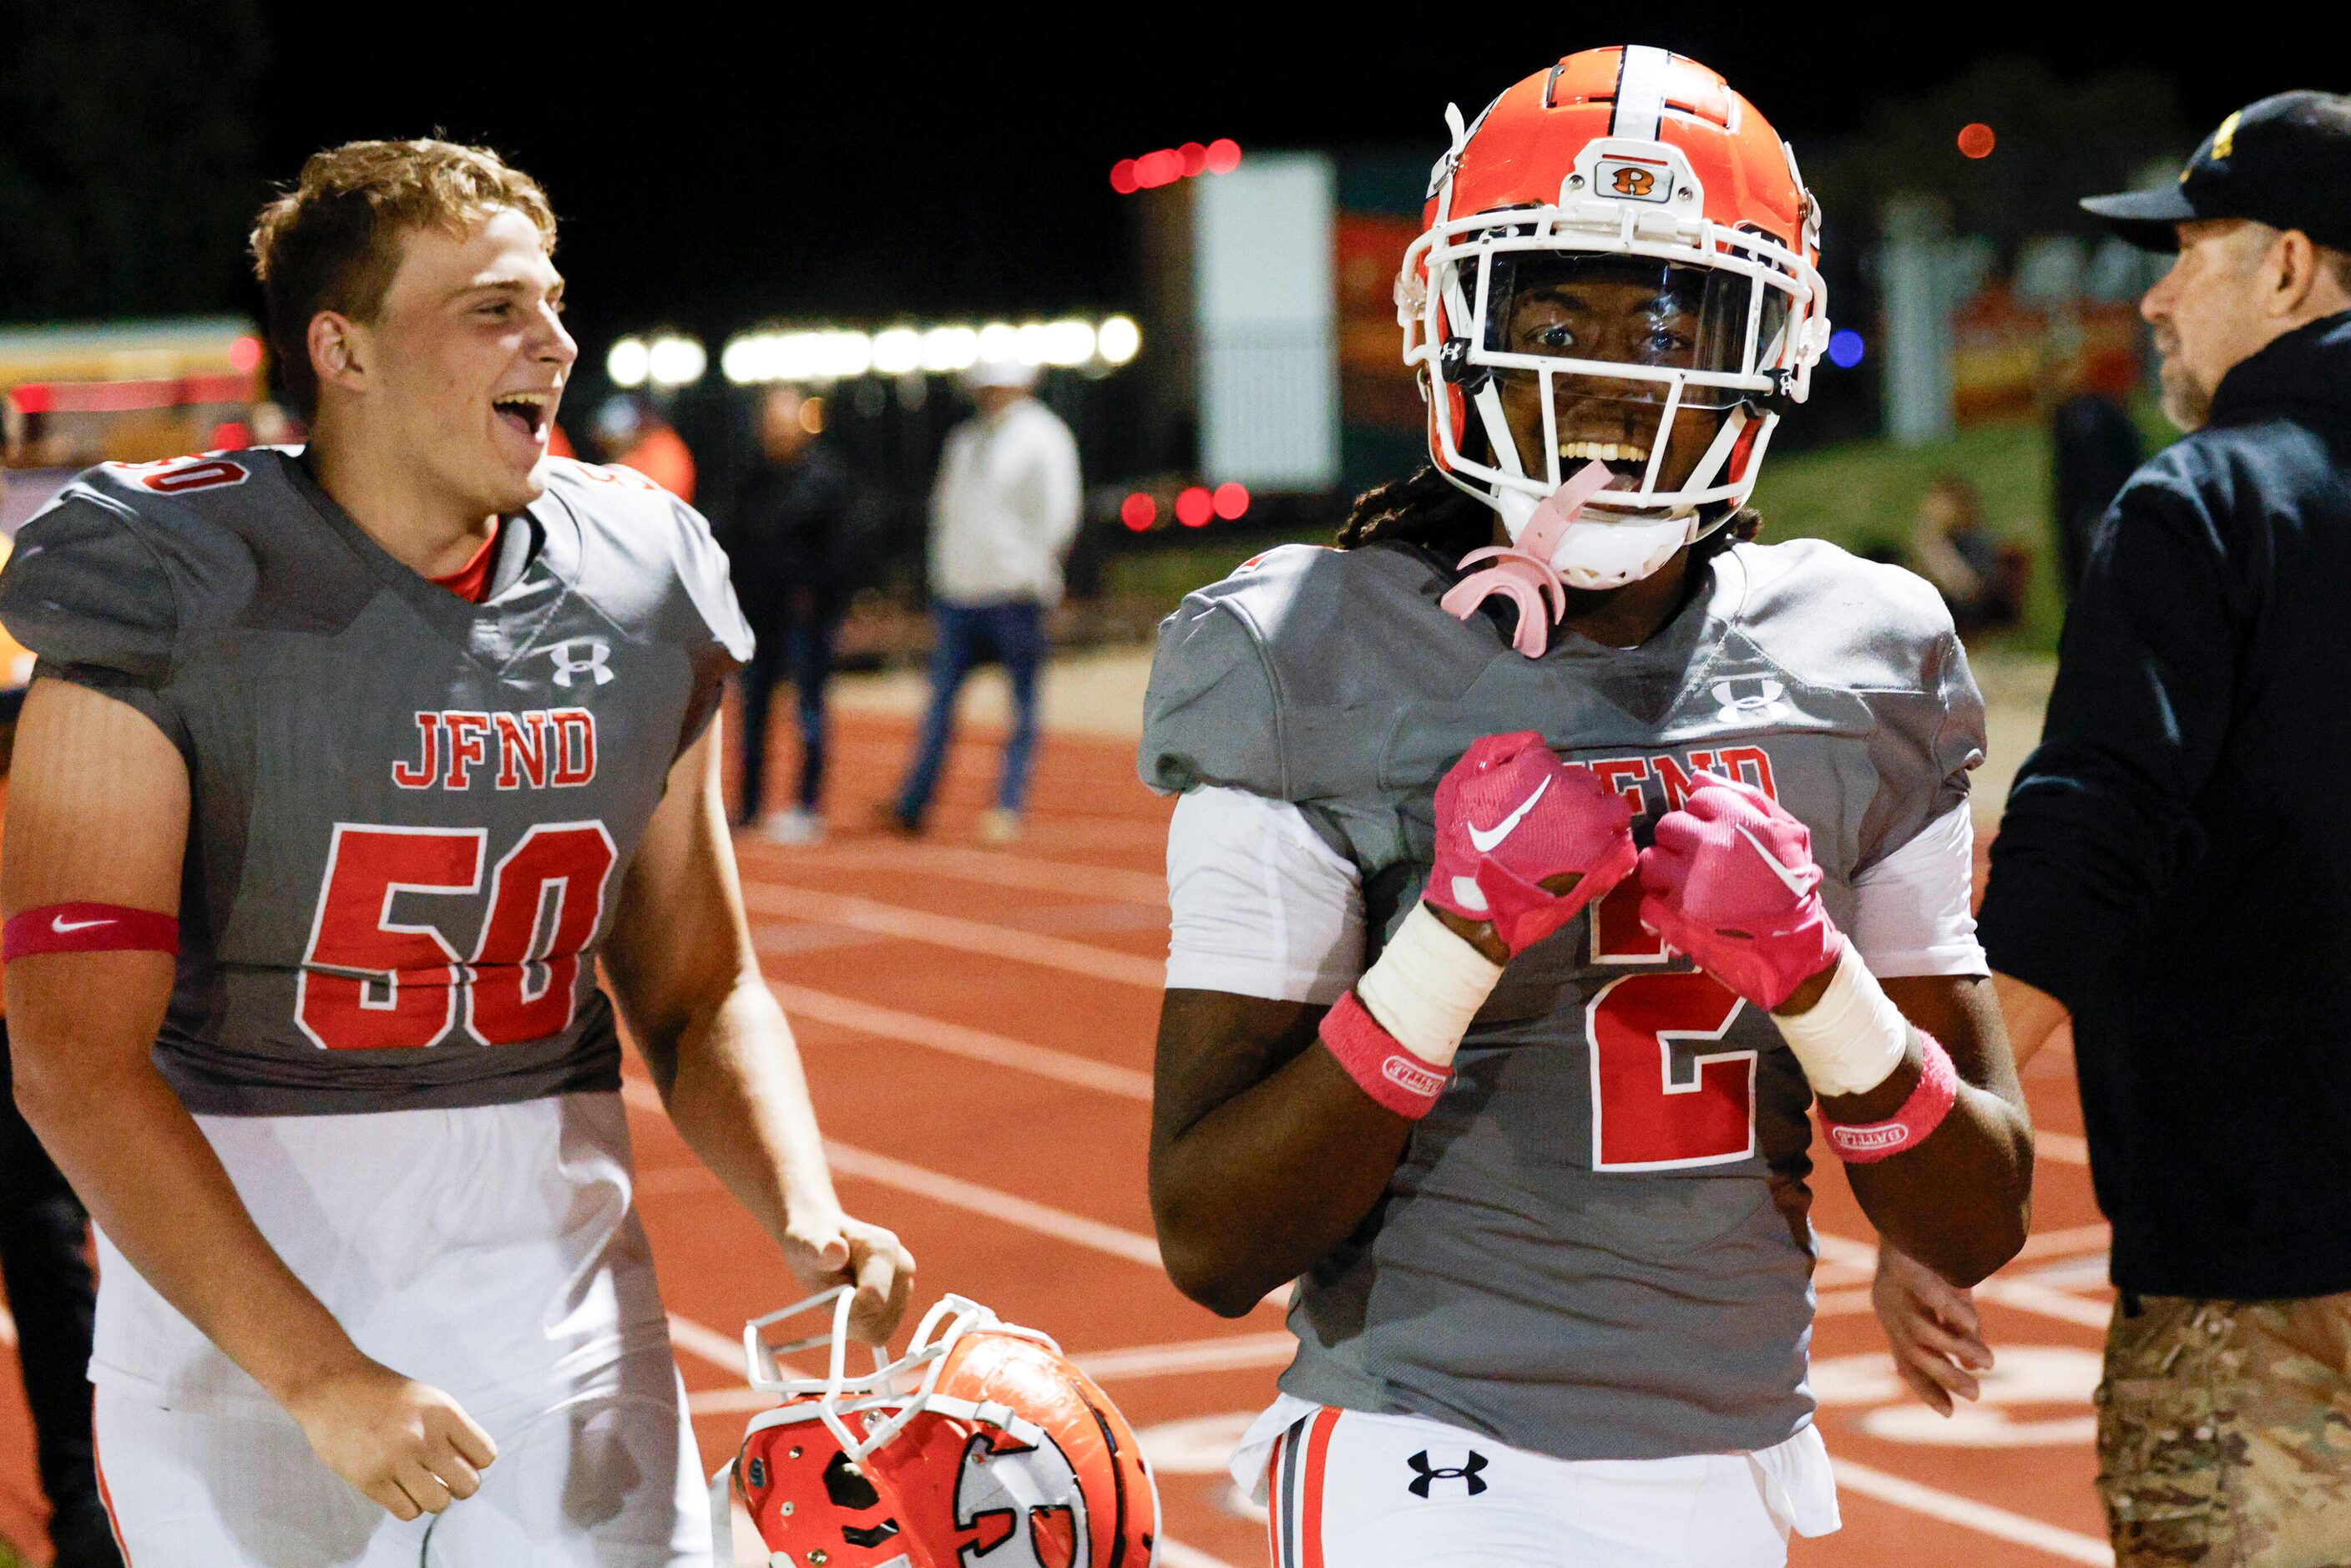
{"points": [[371, 983], [1643, 1118]]}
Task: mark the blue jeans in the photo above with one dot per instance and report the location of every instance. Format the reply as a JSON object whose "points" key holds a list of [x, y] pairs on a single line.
{"points": [[970, 635], [799, 649]]}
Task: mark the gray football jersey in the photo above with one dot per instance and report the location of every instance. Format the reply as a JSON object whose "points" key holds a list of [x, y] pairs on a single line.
{"points": [[1596, 1245], [411, 815]]}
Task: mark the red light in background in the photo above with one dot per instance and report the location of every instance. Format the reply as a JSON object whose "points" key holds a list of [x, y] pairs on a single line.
{"points": [[1975, 140], [1230, 499], [1194, 507], [1138, 512], [1169, 165], [233, 435], [245, 354]]}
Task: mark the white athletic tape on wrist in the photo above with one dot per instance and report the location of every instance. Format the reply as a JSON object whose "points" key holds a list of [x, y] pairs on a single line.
{"points": [[1426, 986], [1849, 1040]]}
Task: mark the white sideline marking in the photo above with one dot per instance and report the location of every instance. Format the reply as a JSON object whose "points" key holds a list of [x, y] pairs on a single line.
{"points": [[1982, 1517], [2063, 1147], [998, 870], [949, 931], [955, 1039]]}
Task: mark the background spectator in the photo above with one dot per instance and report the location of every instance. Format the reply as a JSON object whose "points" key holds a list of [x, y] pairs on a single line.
{"points": [[1003, 513], [630, 434], [788, 536], [2093, 449], [1981, 579]]}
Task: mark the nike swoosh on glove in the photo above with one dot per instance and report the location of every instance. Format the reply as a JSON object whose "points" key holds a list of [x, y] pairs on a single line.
{"points": [[1732, 881], [1510, 816]]}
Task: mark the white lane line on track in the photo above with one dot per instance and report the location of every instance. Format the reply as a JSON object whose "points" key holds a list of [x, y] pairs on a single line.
{"points": [[2065, 1243], [1175, 1554], [955, 1039], [998, 870], [1982, 1517], [708, 1344], [2020, 1294], [957, 1193], [950, 931], [2066, 1148]]}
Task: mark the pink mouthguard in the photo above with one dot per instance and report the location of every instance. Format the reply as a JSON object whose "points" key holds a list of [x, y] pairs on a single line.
{"points": [[1521, 572]]}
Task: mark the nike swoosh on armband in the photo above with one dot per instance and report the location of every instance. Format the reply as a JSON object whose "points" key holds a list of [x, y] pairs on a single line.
{"points": [[61, 924]]}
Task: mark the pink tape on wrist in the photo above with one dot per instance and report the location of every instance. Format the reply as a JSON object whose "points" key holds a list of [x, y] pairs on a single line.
{"points": [[89, 928], [1380, 1063], [1866, 1142]]}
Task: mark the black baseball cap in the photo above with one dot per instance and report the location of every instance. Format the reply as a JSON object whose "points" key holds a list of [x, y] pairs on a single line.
{"points": [[2284, 161]]}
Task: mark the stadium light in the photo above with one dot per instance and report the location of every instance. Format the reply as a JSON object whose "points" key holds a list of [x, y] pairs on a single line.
{"points": [[1975, 140], [627, 362], [1231, 499], [1069, 341], [1138, 512], [1195, 507], [1117, 340], [897, 351], [675, 361], [946, 350], [997, 341]]}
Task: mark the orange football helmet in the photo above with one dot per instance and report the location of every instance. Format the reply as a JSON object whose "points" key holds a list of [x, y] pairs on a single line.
{"points": [[982, 1443], [1618, 265]]}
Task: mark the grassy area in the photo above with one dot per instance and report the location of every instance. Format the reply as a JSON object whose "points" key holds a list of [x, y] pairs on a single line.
{"points": [[1863, 495]]}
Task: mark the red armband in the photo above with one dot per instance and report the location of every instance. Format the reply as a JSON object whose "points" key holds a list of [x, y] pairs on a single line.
{"points": [[1865, 1143], [1380, 1063], [89, 928]]}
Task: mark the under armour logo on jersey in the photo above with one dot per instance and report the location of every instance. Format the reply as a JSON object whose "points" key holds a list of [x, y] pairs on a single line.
{"points": [[1749, 699], [580, 656], [1466, 1473]]}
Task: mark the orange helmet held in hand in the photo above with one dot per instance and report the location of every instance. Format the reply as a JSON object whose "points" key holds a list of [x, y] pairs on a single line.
{"points": [[983, 1442]]}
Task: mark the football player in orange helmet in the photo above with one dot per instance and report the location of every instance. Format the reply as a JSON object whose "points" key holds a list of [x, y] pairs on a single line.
{"points": [[1540, 1177], [983, 1442]]}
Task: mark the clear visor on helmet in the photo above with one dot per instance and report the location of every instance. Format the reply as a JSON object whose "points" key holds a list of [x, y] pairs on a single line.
{"points": [[1628, 361], [1635, 311]]}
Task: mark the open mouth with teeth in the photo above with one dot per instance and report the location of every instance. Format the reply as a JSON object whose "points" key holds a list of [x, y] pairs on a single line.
{"points": [[1626, 461], [528, 415]]}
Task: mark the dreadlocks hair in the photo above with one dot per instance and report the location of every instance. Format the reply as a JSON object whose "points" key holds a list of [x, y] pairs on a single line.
{"points": [[1428, 510]]}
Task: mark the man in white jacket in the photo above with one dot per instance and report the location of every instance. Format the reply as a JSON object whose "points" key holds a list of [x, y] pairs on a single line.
{"points": [[1003, 513]]}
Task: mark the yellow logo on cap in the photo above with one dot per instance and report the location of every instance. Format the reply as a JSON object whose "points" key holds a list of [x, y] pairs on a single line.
{"points": [[2225, 139]]}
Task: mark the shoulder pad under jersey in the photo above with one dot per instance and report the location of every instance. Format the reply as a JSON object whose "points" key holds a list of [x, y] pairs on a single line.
{"points": [[130, 558], [647, 558]]}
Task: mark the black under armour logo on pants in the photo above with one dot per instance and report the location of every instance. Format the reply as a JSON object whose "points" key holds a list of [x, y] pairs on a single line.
{"points": [[1467, 1474]]}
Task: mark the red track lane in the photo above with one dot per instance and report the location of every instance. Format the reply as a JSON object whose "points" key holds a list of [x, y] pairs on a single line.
{"points": [[1016, 1173]]}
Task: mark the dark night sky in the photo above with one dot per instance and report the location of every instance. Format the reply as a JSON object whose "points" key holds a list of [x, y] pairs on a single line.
{"points": [[712, 173]]}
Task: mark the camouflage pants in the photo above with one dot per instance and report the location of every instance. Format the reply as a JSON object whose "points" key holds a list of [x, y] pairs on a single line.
{"points": [[2224, 1433]]}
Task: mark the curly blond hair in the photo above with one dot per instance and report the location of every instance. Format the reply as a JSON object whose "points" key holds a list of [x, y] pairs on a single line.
{"points": [[331, 243]]}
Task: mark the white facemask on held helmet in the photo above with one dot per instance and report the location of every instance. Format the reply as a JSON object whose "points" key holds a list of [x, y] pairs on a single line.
{"points": [[1618, 265], [981, 1444]]}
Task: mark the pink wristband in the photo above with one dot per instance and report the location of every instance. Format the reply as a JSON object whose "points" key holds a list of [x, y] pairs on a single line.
{"points": [[1378, 1062], [1866, 1142]]}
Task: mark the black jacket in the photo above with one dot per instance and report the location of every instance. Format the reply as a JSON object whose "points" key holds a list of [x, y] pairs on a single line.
{"points": [[2174, 865], [792, 527]]}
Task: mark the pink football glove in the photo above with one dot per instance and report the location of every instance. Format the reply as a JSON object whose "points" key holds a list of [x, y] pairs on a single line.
{"points": [[1730, 881], [1509, 815]]}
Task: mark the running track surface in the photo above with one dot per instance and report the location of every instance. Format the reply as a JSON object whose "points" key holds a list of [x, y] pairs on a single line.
{"points": [[978, 1025]]}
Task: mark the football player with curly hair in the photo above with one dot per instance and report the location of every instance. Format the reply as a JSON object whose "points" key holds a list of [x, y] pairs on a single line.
{"points": [[1545, 852]]}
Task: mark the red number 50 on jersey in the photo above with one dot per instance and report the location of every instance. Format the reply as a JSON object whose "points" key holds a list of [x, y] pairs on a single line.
{"points": [[371, 983]]}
